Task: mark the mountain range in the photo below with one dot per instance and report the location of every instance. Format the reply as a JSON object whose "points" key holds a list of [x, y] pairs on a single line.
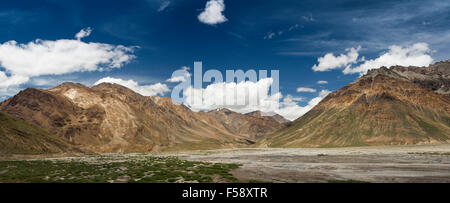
{"points": [[387, 106], [111, 118]]}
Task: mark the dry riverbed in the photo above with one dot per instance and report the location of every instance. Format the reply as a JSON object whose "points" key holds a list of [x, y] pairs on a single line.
{"points": [[423, 163]]}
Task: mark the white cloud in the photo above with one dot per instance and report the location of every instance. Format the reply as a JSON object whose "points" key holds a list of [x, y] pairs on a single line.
{"points": [[291, 110], [7, 92], [145, 90], [322, 82], [305, 89], [177, 79], [180, 78], [83, 33], [44, 57], [417, 54], [294, 27], [269, 35], [291, 98], [414, 55], [213, 13], [163, 6], [329, 61], [239, 96], [308, 18]]}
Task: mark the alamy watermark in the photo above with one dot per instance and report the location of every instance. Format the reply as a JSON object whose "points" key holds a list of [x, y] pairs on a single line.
{"points": [[240, 90]]}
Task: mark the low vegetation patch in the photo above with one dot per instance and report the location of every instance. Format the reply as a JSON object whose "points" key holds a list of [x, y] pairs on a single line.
{"points": [[109, 169]]}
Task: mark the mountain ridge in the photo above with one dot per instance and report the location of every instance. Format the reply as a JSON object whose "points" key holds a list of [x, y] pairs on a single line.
{"points": [[387, 106], [383, 107], [111, 118]]}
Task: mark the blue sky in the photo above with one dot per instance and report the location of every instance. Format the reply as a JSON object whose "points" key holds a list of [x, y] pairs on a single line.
{"points": [[290, 36]]}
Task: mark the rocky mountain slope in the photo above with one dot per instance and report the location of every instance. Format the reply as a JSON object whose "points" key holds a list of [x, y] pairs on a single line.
{"points": [[20, 137], [253, 125], [395, 106], [112, 118]]}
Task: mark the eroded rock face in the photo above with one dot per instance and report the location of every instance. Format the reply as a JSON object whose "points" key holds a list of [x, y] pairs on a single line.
{"points": [[253, 125], [435, 77], [112, 118], [399, 105], [20, 137]]}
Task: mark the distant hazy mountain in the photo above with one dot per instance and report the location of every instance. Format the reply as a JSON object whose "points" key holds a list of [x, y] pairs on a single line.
{"points": [[252, 125], [395, 106]]}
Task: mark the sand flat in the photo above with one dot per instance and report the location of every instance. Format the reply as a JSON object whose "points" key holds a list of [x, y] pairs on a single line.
{"points": [[419, 163]]}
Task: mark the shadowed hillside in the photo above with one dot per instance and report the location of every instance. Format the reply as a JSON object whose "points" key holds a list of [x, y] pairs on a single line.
{"points": [[20, 137]]}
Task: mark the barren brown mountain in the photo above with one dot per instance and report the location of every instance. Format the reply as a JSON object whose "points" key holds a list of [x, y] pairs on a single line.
{"points": [[253, 125], [395, 106], [399, 105], [112, 118]]}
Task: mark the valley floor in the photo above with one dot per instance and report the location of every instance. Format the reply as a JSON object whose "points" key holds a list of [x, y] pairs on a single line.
{"points": [[422, 163]]}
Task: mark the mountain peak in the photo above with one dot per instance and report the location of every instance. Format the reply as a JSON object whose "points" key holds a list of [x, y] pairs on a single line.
{"points": [[273, 115], [107, 85], [70, 84], [223, 110], [435, 77], [255, 113], [372, 73]]}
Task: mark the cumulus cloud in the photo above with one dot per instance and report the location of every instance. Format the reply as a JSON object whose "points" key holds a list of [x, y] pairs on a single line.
{"points": [[45, 57], [180, 78], [212, 14], [177, 79], [289, 98], [163, 6], [240, 97], [330, 61], [414, 55], [291, 110], [417, 54], [83, 33], [322, 82], [246, 97], [145, 90], [305, 89]]}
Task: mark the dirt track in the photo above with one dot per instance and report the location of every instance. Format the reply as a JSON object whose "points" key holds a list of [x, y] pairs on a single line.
{"points": [[426, 163]]}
